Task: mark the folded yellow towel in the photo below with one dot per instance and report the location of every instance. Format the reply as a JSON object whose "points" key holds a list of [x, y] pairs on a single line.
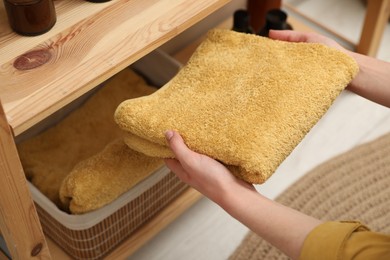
{"points": [[48, 157], [100, 179], [242, 99]]}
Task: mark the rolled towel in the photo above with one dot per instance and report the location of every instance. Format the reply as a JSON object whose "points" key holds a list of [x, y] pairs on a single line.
{"points": [[48, 157], [100, 179]]}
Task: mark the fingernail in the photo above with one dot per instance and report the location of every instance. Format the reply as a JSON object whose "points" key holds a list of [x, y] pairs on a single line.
{"points": [[168, 134]]}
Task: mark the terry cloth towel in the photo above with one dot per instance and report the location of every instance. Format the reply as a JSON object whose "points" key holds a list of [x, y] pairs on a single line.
{"points": [[48, 157], [352, 186], [242, 99], [102, 178]]}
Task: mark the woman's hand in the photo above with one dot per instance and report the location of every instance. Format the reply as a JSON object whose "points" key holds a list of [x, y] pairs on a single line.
{"points": [[205, 174], [296, 36], [372, 81], [240, 199]]}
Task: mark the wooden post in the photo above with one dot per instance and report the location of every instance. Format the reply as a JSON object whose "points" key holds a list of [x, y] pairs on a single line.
{"points": [[19, 221], [377, 15]]}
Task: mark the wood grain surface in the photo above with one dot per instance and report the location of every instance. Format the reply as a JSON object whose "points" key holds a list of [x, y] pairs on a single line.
{"points": [[19, 221], [89, 43]]}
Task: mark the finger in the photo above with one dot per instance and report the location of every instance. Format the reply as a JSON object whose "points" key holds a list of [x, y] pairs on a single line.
{"points": [[190, 160], [288, 35], [178, 147], [175, 166]]}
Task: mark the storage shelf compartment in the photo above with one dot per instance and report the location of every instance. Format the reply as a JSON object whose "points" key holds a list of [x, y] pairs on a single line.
{"points": [[94, 234]]}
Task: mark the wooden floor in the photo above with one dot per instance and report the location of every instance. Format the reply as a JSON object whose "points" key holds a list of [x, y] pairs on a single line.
{"points": [[205, 231]]}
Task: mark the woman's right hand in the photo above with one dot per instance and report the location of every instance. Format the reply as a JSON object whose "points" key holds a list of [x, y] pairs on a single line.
{"points": [[296, 36]]}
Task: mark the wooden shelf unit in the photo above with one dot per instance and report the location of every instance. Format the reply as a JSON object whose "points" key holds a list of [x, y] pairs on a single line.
{"points": [[39, 75], [90, 43]]}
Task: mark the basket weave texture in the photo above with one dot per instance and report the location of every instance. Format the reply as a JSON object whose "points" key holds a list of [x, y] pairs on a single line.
{"points": [[97, 241]]}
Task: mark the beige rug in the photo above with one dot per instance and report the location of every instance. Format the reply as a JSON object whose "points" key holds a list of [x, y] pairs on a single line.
{"points": [[354, 185]]}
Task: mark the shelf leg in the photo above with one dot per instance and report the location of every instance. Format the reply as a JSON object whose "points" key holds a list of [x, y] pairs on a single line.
{"points": [[19, 222], [377, 15]]}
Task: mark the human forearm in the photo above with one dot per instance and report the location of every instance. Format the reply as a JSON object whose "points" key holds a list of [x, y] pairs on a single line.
{"points": [[283, 227], [373, 79]]}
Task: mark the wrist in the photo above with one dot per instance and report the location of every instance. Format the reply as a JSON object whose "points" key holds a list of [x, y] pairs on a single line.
{"points": [[372, 80], [355, 84], [237, 198]]}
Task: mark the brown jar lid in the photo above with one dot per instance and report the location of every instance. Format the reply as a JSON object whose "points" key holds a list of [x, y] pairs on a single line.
{"points": [[30, 17]]}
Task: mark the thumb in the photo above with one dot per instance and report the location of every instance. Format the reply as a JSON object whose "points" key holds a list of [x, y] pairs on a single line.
{"points": [[177, 145], [287, 35]]}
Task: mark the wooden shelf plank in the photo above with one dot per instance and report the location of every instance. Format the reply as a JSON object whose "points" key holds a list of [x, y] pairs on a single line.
{"points": [[19, 221], [90, 43], [375, 21]]}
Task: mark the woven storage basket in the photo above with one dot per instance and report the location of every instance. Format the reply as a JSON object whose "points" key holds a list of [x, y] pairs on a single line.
{"points": [[93, 235]]}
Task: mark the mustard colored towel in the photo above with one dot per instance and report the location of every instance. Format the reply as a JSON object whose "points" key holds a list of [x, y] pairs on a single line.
{"points": [[100, 179], [242, 99], [48, 157]]}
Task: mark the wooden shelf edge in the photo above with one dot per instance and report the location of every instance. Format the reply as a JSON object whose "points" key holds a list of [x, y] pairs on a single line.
{"points": [[19, 222], [88, 51]]}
